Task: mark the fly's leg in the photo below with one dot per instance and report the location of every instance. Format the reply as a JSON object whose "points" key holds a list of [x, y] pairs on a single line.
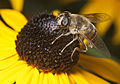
{"points": [[69, 44], [57, 38], [90, 45], [60, 37], [55, 28], [78, 49], [75, 49], [83, 50]]}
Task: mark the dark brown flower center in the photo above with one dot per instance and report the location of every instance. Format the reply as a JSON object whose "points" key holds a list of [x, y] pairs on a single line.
{"points": [[33, 45]]}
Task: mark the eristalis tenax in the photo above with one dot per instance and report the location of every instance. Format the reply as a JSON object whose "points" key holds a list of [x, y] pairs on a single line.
{"points": [[82, 27]]}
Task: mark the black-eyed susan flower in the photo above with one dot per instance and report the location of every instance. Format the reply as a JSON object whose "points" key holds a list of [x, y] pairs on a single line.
{"points": [[26, 56], [109, 7]]}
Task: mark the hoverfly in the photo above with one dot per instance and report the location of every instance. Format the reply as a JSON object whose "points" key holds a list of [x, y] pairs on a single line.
{"points": [[81, 27]]}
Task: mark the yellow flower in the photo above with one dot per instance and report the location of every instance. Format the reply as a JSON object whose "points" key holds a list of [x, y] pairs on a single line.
{"points": [[12, 69], [110, 7], [17, 4]]}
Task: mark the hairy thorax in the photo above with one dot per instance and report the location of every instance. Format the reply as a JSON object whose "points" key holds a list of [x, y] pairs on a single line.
{"points": [[78, 24]]}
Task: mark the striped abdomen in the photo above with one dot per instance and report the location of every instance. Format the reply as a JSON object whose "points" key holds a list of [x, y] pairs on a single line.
{"points": [[91, 33]]}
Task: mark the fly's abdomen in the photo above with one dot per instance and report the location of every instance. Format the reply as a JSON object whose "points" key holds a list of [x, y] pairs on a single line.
{"points": [[91, 33]]}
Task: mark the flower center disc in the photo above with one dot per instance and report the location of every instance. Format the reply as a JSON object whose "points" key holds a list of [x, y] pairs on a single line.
{"points": [[33, 45]]}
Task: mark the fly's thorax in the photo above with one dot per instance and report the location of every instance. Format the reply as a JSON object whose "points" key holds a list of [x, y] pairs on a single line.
{"points": [[78, 24], [78, 20], [73, 20], [73, 30]]}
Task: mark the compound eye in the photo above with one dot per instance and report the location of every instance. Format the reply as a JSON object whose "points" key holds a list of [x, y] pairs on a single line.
{"points": [[64, 22]]}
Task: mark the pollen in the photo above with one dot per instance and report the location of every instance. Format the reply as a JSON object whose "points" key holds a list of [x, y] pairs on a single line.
{"points": [[33, 45]]}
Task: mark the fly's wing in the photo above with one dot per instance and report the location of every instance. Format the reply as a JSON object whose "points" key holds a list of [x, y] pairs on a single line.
{"points": [[97, 17], [100, 46], [97, 42]]}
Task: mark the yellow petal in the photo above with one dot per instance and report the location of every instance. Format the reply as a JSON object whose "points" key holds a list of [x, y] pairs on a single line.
{"points": [[5, 53], [92, 79], [60, 79], [12, 66], [50, 76], [10, 73], [107, 68], [35, 77], [72, 81], [7, 45], [45, 79], [8, 62], [103, 27], [5, 41], [100, 6], [41, 78], [57, 79], [28, 77], [21, 76], [78, 77], [7, 32], [10, 80], [53, 79], [17, 4], [116, 37], [7, 38], [13, 18], [65, 78]]}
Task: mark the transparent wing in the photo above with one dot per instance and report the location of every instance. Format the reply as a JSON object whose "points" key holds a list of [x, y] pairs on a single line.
{"points": [[97, 42], [100, 46], [97, 17]]}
